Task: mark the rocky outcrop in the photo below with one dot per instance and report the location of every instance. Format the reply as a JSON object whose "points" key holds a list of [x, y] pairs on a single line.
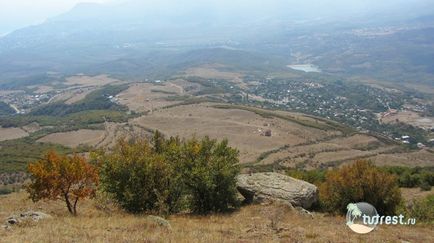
{"points": [[23, 217], [270, 186]]}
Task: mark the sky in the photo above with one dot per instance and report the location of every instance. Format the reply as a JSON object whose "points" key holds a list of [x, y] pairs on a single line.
{"points": [[15, 14]]}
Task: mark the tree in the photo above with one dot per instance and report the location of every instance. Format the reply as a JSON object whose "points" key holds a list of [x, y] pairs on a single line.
{"points": [[60, 177]]}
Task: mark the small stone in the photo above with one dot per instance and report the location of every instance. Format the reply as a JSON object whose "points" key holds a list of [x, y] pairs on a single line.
{"points": [[160, 221], [12, 220]]}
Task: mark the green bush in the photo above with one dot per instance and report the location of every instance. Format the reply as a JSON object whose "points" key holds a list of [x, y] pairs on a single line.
{"points": [[209, 171], [139, 179], [412, 177], [312, 176], [168, 175], [425, 186], [360, 182], [423, 210], [5, 191]]}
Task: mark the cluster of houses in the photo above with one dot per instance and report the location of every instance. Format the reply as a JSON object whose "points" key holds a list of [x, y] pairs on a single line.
{"points": [[21, 102], [406, 140]]}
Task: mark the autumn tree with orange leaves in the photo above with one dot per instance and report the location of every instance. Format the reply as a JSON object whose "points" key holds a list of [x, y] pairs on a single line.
{"points": [[60, 177]]}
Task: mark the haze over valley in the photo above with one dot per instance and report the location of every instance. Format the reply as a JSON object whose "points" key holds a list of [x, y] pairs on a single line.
{"points": [[296, 87]]}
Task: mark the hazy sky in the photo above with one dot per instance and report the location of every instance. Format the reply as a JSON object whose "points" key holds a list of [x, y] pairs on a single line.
{"points": [[20, 13], [16, 14]]}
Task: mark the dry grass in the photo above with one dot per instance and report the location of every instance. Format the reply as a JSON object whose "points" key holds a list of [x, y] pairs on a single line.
{"points": [[211, 71], [410, 194], [12, 133], [75, 138], [410, 117], [244, 129], [86, 81], [256, 223], [419, 158], [41, 89], [76, 95], [148, 97]]}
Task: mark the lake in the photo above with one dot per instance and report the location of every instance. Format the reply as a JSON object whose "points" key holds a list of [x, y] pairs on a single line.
{"points": [[308, 68]]}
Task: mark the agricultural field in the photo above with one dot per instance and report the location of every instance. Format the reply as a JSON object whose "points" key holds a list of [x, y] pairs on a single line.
{"points": [[214, 71], [410, 117], [244, 129], [86, 81], [96, 111], [11, 133], [74, 139], [145, 97]]}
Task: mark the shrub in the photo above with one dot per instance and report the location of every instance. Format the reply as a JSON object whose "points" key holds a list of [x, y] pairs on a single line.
{"points": [[209, 171], [312, 176], [425, 186], [57, 177], [412, 177], [139, 179], [167, 174], [360, 182], [407, 179], [5, 191], [423, 210]]}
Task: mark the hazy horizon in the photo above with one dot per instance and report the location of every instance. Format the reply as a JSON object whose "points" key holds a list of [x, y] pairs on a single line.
{"points": [[21, 13]]}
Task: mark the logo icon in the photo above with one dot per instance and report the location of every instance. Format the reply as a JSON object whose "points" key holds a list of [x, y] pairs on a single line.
{"points": [[355, 214]]}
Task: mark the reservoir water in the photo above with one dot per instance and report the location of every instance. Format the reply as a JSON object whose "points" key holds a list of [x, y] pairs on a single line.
{"points": [[308, 68]]}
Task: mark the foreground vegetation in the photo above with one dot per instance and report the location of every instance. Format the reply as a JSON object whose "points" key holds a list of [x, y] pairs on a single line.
{"points": [[162, 176], [90, 113], [379, 186], [183, 179], [99, 222], [95, 108]]}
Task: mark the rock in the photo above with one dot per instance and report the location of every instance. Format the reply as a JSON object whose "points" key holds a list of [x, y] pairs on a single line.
{"points": [[159, 221], [30, 215], [35, 216], [303, 211], [270, 186], [12, 220], [6, 227]]}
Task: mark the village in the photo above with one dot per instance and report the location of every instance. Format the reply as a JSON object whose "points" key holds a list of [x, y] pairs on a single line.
{"points": [[365, 108]]}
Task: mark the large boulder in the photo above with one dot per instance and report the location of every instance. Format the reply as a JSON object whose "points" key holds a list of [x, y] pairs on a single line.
{"points": [[270, 186]]}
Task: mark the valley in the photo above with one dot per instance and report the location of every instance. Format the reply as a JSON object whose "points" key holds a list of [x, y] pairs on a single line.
{"points": [[295, 122], [216, 121]]}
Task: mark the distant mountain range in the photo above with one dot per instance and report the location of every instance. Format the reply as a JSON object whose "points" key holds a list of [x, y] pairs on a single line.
{"points": [[135, 39]]}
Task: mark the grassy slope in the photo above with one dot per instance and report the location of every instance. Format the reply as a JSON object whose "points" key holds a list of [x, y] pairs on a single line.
{"points": [[250, 224]]}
